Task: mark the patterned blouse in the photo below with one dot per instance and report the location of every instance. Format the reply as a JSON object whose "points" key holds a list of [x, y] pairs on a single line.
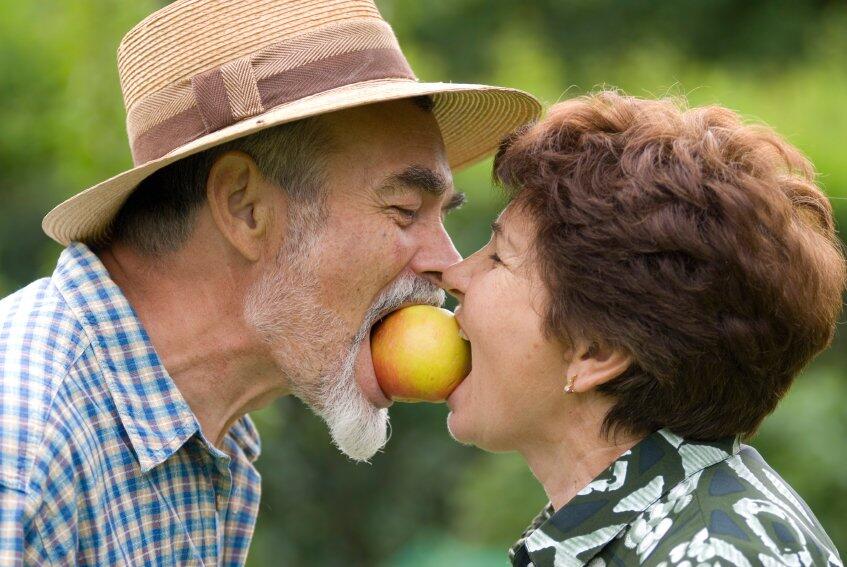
{"points": [[669, 501]]}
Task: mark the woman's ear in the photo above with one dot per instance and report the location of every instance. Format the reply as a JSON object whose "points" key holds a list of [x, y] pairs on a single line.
{"points": [[595, 363]]}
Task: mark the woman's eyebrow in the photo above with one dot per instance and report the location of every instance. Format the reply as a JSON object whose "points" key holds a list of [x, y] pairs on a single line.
{"points": [[498, 232]]}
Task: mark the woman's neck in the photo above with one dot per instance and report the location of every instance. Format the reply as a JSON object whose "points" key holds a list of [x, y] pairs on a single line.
{"points": [[572, 453]]}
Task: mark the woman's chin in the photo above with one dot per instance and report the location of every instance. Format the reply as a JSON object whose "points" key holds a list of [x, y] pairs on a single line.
{"points": [[458, 429], [462, 431]]}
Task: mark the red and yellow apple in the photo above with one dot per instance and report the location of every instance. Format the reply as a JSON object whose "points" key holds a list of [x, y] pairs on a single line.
{"points": [[418, 355]]}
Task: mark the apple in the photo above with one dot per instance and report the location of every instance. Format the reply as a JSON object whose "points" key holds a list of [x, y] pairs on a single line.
{"points": [[418, 355]]}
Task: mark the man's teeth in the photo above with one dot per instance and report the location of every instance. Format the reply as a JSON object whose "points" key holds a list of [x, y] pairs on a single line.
{"points": [[463, 335]]}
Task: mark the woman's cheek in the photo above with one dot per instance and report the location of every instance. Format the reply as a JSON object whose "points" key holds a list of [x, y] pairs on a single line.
{"points": [[483, 304]]}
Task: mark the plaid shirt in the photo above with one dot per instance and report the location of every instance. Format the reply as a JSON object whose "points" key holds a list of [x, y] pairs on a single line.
{"points": [[102, 462]]}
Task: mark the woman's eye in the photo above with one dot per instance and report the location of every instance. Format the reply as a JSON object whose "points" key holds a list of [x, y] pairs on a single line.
{"points": [[495, 258]]}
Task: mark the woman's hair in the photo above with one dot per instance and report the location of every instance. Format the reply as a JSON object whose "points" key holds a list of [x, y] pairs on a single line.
{"points": [[697, 243]]}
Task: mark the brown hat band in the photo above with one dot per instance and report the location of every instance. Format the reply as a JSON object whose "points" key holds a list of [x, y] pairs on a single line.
{"points": [[332, 57]]}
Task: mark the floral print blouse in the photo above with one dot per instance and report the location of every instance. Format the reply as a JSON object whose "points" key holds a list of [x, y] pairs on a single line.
{"points": [[672, 502]]}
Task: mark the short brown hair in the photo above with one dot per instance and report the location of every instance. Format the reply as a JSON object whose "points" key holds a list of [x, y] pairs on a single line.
{"points": [[698, 243]]}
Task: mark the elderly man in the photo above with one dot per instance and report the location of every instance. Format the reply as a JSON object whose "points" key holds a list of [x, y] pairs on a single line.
{"points": [[290, 182]]}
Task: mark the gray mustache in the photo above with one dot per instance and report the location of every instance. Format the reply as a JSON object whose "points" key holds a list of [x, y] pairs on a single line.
{"points": [[409, 289]]}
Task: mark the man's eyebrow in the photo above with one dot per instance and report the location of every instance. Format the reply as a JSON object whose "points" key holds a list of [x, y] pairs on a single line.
{"points": [[426, 180], [421, 178], [456, 201]]}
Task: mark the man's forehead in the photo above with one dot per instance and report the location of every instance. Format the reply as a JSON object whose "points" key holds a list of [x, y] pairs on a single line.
{"points": [[394, 122], [394, 146]]}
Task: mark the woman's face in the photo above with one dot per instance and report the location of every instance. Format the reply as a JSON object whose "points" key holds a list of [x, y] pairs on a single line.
{"points": [[517, 380]]}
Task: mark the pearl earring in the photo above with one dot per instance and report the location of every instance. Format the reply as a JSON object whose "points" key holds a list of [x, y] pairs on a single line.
{"points": [[569, 386]]}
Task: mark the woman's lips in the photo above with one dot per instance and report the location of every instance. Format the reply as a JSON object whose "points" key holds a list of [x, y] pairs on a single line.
{"points": [[365, 377], [451, 399], [457, 313]]}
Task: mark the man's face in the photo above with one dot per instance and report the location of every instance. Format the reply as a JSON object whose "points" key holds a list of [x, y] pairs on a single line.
{"points": [[382, 245]]}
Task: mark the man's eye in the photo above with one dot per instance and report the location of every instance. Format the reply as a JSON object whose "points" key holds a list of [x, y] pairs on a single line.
{"points": [[495, 258], [408, 214]]}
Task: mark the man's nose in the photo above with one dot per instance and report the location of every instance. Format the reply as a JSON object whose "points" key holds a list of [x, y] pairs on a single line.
{"points": [[435, 255]]}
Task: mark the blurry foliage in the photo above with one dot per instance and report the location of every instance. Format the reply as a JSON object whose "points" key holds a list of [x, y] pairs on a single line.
{"points": [[579, 34], [427, 500]]}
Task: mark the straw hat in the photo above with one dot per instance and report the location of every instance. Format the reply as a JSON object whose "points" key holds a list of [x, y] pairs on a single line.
{"points": [[198, 73]]}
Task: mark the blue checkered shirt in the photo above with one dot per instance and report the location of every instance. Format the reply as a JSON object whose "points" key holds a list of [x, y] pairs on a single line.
{"points": [[102, 462]]}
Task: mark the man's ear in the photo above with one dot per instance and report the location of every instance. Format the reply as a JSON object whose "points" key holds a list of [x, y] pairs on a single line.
{"points": [[595, 363], [242, 203]]}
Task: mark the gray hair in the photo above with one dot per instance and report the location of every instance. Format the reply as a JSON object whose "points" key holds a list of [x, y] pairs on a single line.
{"points": [[159, 215]]}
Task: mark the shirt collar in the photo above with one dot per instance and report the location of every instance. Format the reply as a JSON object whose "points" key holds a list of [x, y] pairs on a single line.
{"points": [[244, 433], [637, 479], [156, 417]]}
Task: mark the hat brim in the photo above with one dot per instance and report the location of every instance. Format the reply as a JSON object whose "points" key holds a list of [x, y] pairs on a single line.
{"points": [[472, 118]]}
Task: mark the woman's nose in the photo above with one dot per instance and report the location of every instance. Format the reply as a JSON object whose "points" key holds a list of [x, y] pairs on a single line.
{"points": [[454, 280]]}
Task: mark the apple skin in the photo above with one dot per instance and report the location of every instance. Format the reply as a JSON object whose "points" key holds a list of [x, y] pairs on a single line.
{"points": [[418, 355]]}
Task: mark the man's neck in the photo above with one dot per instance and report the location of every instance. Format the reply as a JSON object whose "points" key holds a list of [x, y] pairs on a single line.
{"points": [[195, 321]]}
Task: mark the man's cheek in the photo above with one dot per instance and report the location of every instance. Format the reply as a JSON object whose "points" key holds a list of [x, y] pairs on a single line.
{"points": [[386, 255], [350, 284]]}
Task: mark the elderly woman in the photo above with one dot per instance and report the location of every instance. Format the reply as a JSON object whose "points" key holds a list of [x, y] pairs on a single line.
{"points": [[657, 281]]}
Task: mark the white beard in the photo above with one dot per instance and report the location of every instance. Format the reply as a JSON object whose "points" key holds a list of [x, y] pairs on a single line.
{"points": [[358, 428], [305, 338]]}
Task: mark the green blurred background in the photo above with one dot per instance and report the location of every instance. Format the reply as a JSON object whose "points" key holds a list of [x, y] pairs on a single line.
{"points": [[427, 501]]}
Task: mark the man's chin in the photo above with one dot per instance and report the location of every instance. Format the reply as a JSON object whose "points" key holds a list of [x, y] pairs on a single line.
{"points": [[362, 437], [357, 425]]}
